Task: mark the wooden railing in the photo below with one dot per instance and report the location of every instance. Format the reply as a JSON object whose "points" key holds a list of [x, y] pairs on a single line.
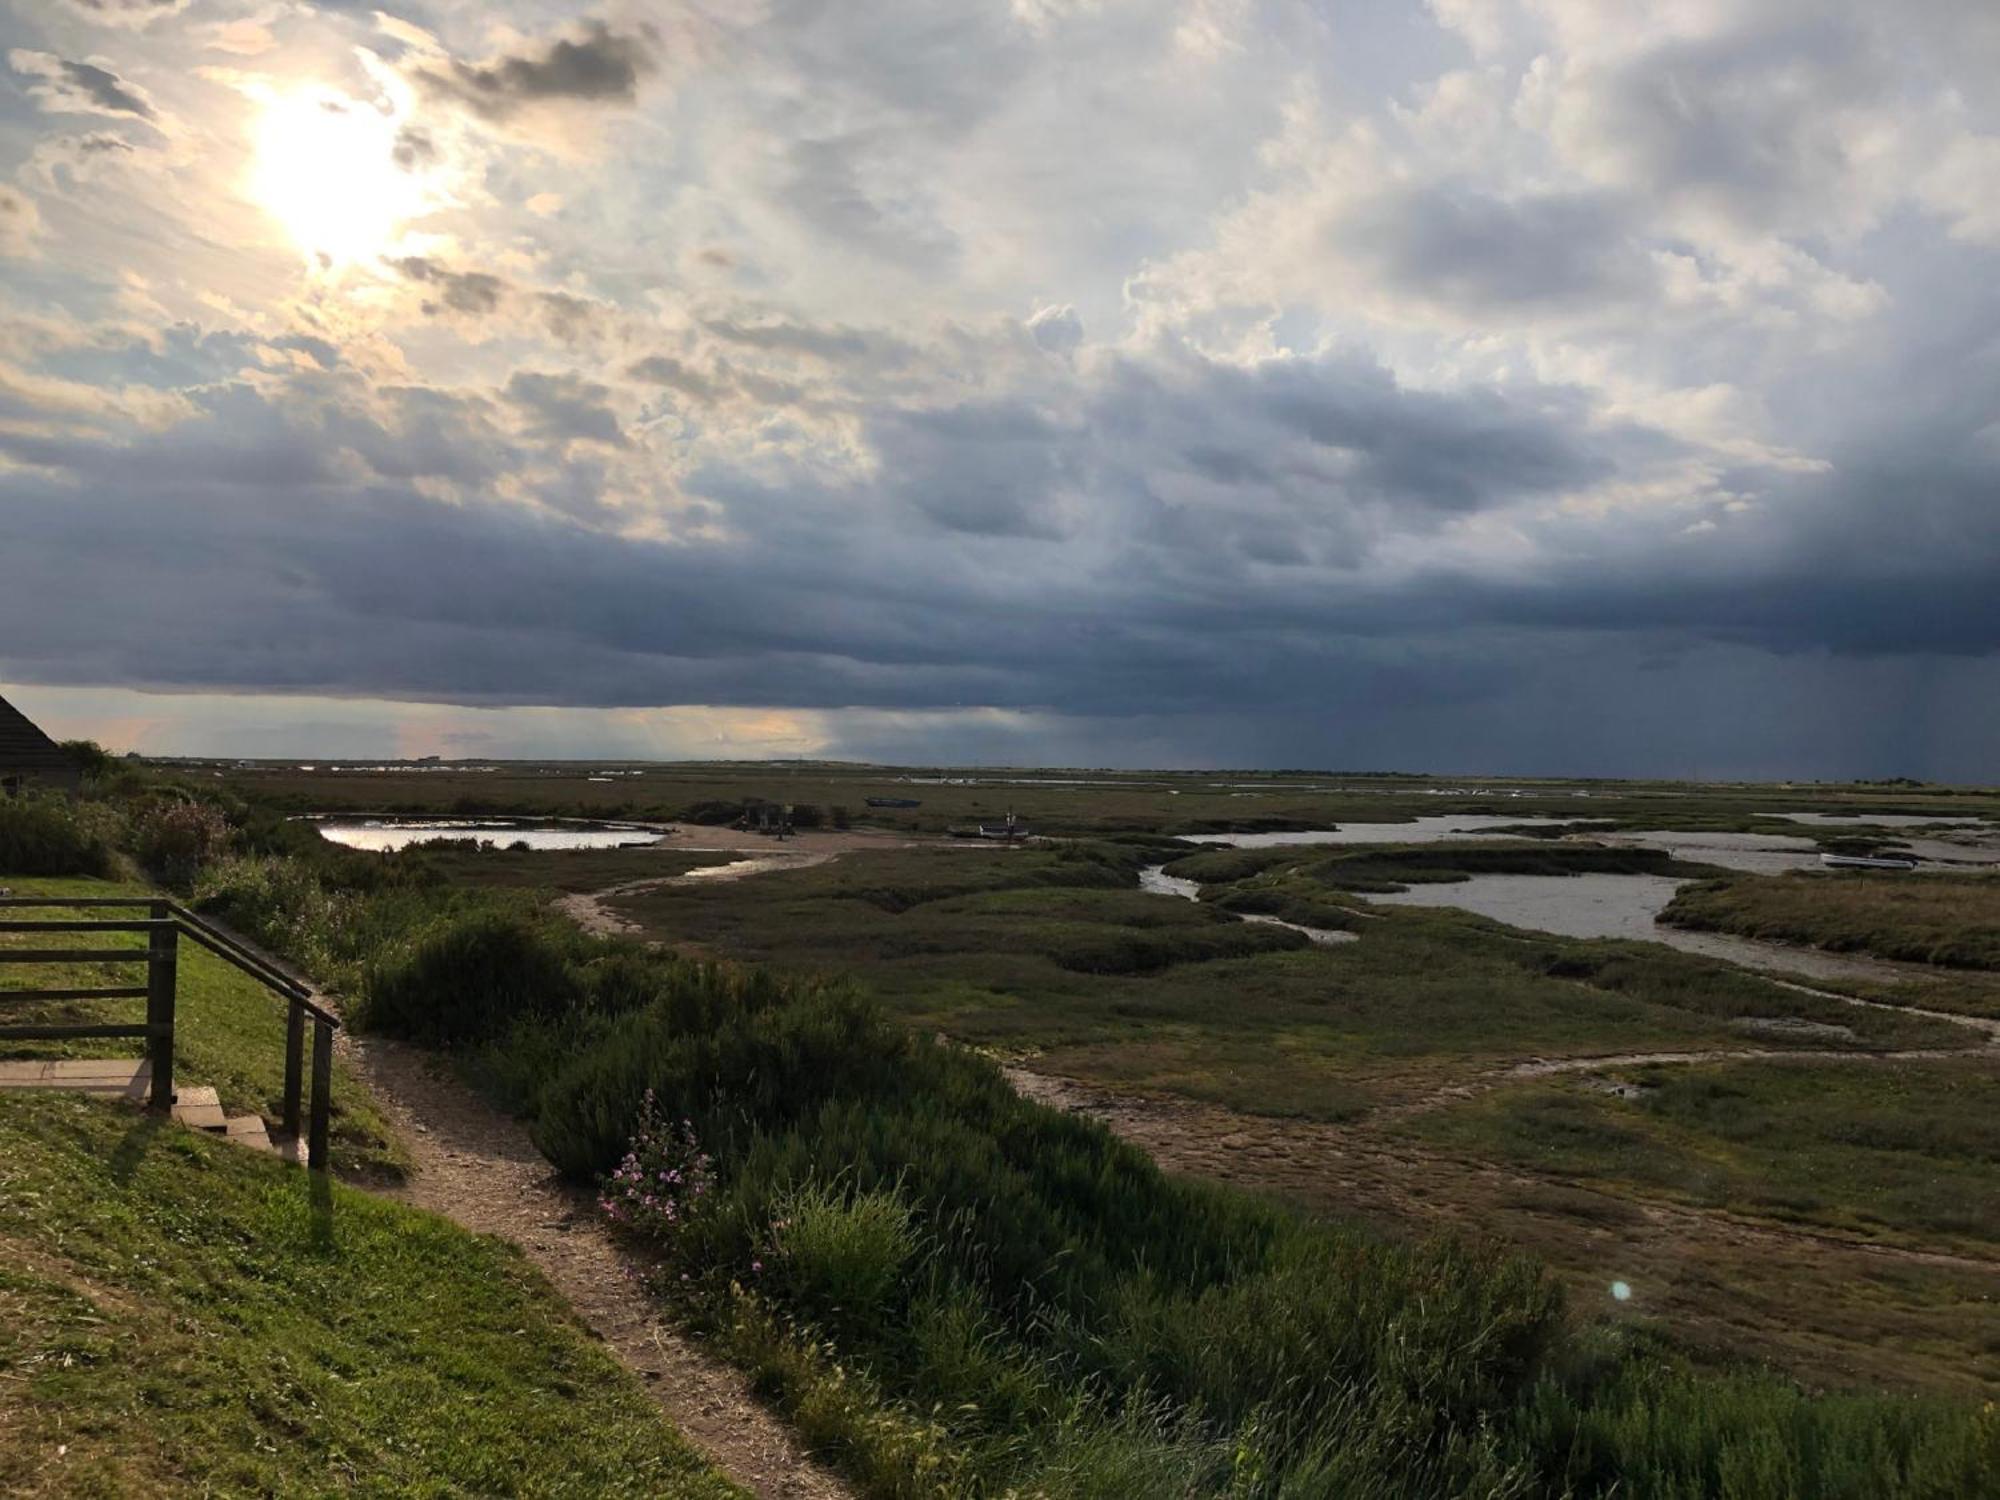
{"points": [[163, 925]]}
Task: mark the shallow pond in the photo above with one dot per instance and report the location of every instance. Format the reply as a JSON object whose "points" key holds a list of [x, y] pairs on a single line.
{"points": [[378, 835]]}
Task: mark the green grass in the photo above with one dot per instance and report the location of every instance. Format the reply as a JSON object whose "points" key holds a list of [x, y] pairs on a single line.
{"points": [[178, 1316], [1903, 1152], [1950, 920], [230, 1030]]}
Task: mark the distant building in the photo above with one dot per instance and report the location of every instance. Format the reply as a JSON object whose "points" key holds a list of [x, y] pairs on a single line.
{"points": [[29, 758]]}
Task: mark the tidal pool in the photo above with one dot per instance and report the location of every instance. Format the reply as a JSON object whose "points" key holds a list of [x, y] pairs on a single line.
{"points": [[1430, 830]]}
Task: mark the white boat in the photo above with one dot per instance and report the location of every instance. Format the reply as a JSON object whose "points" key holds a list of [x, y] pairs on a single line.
{"points": [[1868, 862]]}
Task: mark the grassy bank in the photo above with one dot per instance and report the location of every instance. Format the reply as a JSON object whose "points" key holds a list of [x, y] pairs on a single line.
{"points": [[1949, 920], [178, 1316]]}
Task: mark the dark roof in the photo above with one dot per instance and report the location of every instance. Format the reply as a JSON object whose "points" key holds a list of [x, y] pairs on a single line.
{"points": [[23, 747]]}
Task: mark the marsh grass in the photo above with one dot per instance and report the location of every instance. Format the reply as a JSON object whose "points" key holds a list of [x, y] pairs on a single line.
{"points": [[1950, 920], [1878, 1150]]}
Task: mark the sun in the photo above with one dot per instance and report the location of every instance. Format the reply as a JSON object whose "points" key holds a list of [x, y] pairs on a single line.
{"points": [[325, 168]]}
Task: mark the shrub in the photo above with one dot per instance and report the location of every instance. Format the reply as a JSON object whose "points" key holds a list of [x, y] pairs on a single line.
{"points": [[469, 977], [175, 841], [52, 835]]}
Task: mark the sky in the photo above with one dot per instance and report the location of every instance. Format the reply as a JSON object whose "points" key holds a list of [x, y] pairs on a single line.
{"points": [[1525, 386]]}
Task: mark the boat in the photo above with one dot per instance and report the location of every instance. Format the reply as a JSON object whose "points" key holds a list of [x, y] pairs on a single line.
{"points": [[1868, 861], [1009, 830], [894, 802]]}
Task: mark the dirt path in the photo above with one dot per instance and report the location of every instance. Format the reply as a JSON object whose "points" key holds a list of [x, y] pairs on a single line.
{"points": [[588, 909], [477, 1167], [761, 856]]}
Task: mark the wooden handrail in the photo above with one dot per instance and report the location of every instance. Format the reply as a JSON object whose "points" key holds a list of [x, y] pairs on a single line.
{"points": [[163, 926]]}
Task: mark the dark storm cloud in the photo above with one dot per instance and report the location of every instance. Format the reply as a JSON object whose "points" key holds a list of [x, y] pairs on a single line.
{"points": [[1003, 555], [597, 66], [70, 87]]}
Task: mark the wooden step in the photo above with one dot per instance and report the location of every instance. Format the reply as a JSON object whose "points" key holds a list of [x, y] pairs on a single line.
{"points": [[123, 1077], [248, 1130], [201, 1107]]}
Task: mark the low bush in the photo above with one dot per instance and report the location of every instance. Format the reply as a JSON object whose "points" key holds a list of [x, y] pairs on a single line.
{"points": [[53, 835], [467, 978]]}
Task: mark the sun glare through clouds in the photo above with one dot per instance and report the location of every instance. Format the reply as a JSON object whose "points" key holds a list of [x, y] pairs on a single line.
{"points": [[325, 169]]}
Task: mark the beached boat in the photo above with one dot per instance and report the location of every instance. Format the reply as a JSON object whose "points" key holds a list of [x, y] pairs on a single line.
{"points": [[1868, 861]]}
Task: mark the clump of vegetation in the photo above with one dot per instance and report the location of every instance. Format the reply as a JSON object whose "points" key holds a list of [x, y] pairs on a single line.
{"points": [[1950, 920], [176, 840], [52, 835]]}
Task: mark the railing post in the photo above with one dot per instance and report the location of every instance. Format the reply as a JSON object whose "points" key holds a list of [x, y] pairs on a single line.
{"points": [[162, 963], [295, 1061], [316, 1151]]}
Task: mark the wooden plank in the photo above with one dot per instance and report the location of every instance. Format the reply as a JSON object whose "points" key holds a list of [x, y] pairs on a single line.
{"points": [[63, 1033], [32, 903], [72, 955], [91, 1067], [80, 924], [126, 992]]}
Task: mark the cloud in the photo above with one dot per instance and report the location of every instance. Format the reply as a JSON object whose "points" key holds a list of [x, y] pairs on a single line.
{"points": [[20, 222], [1569, 390], [69, 87], [1056, 329], [132, 13], [596, 66], [471, 292], [565, 408]]}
